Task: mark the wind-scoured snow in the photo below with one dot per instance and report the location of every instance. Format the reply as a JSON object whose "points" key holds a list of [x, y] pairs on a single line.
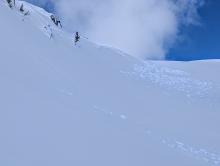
{"points": [[172, 79], [62, 104]]}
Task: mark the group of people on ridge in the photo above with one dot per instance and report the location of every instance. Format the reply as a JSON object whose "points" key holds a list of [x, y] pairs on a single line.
{"points": [[55, 20]]}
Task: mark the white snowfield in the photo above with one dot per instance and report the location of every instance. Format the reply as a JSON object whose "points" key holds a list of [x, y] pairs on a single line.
{"points": [[90, 105]]}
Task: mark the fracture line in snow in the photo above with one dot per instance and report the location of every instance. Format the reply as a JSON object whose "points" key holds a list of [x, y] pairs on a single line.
{"points": [[197, 153]]}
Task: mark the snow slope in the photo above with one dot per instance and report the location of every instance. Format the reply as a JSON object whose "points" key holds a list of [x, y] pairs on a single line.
{"points": [[83, 105]]}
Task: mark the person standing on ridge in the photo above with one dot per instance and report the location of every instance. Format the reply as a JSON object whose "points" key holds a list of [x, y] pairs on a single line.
{"points": [[56, 21], [53, 18], [59, 23], [77, 37], [9, 3]]}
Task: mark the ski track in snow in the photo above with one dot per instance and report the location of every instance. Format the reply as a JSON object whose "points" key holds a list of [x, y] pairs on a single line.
{"points": [[197, 153], [171, 79]]}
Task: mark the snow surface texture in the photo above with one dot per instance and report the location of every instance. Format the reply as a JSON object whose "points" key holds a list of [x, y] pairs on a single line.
{"points": [[172, 79], [62, 104]]}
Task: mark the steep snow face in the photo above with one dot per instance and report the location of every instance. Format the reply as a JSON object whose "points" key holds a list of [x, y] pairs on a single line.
{"points": [[62, 104]]}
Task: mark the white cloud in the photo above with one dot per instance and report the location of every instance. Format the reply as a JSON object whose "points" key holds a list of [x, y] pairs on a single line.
{"points": [[143, 28]]}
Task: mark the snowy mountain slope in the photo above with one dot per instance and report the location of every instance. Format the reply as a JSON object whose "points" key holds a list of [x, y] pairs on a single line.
{"points": [[62, 104]]}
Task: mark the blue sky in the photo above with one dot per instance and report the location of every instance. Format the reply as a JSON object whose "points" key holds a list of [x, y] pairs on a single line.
{"points": [[201, 42], [198, 42]]}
